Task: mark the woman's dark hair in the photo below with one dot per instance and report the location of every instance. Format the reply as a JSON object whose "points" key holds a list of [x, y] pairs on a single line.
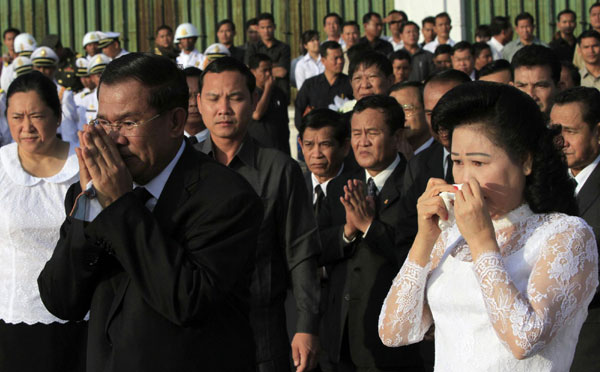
{"points": [[306, 37], [166, 82], [514, 122], [38, 82]]}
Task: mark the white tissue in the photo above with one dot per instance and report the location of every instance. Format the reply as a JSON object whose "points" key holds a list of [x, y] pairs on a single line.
{"points": [[448, 198]]}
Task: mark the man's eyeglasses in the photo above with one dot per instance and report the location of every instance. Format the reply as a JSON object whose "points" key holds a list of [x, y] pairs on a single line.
{"points": [[410, 110], [126, 128]]}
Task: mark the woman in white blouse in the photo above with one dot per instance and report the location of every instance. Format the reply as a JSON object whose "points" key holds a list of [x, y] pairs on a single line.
{"points": [[310, 64], [508, 285], [35, 173]]}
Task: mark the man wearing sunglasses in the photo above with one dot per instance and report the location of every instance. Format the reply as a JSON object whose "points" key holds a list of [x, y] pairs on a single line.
{"points": [[159, 247]]}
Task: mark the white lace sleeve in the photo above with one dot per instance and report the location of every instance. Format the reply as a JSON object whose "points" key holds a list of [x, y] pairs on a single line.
{"points": [[405, 316], [562, 281]]}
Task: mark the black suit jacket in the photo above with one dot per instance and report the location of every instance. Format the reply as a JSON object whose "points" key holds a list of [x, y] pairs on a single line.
{"points": [[425, 165], [361, 273], [588, 201], [166, 290], [586, 356]]}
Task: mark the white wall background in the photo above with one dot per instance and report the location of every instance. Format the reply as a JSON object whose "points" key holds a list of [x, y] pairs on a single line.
{"points": [[417, 10]]}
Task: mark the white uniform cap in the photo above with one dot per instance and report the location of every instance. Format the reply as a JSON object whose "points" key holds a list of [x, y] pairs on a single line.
{"points": [[22, 65], [81, 67], [216, 50], [185, 30], [24, 44], [106, 38], [44, 56], [91, 37], [98, 63]]}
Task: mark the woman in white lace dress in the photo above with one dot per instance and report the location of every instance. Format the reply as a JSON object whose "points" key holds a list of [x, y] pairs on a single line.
{"points": [[508, 285], [35, 173]]}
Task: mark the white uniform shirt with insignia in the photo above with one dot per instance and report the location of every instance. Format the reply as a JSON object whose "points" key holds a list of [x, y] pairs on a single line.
{"points": [[194, 59], [70, 122], [7, 77], [78, 97], [89, 110]]}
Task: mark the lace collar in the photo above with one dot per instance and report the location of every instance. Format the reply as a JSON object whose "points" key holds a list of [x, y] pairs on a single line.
{"points": [[9, 158], [513, 217]]}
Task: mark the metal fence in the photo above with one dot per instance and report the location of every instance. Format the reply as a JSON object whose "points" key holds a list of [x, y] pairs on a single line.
{"points": [[544, 12], [137, 20]]}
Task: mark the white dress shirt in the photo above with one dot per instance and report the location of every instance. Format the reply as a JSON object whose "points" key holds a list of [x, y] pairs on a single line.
{"points": [[435, 43], [200, 136], [446, 159], [340, 41], [424, 146], [306, 68], [383, 176], [397, 45], [323, 185], [496, 48], [585, 173]]}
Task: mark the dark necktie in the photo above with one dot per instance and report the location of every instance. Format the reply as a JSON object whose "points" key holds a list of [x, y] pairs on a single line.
{"points": [[319, 201], [192, 140], [142, 194], [449, 177], [371, 188]]}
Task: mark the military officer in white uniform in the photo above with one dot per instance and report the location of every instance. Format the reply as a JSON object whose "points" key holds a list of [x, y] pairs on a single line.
{"points": [[110, 44], [187, 35], [24, 45], [89, 108], [91, 44], [81, 71], [45, 60]]}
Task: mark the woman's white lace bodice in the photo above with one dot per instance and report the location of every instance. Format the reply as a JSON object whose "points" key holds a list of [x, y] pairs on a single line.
{"points": [[30, 218], [527, 302]]}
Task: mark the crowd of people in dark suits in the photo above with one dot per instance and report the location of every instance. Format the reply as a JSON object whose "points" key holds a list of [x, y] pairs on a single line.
{"points": [[160, 224]]}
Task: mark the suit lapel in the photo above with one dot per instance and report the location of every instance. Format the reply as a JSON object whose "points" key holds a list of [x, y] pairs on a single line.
{"points": [[177, 190], [179, 187], [435, 162], [589, 192], [392, 188]]}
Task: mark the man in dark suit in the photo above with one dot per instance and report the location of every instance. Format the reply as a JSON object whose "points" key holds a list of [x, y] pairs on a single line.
{"points": [[576, 110], [288, 243], [434, 161], [162, 270], [324, 139], [365, 241]]}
